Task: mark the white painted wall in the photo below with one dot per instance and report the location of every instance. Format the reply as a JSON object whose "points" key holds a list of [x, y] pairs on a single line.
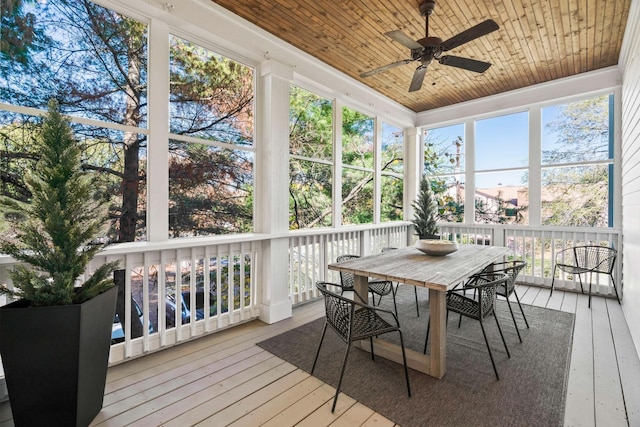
{"points": [[630, 66]]}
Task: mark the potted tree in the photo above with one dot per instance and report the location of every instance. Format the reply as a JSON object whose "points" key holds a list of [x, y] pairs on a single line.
{"points": [[426, 212], [55, 339]]}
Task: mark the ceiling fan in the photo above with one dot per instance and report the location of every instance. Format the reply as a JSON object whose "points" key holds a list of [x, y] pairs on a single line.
{"points": [[429, 48]]}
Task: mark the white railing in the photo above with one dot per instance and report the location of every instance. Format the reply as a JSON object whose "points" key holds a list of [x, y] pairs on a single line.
{"points": [[158, 275], [312, 250], [539, 246], [157, 278]]}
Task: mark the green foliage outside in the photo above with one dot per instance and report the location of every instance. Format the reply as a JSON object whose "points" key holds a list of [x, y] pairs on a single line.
{"points": [[311, 165], [55, 233]]}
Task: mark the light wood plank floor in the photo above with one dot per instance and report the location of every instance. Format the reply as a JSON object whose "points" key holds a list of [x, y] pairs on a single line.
{"points": [[225, 379]]}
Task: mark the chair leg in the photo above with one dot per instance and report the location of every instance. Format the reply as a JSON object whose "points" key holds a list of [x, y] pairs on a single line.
{"points": [[501, 334], [373, 357], [415, 288], [590, 280], [344, 365], [490, 354], [319, 345], [514, 319], [404, 361], [614, 288], [393, 294], [553, 279], [580, 279], [521, 310], [426, 340]]}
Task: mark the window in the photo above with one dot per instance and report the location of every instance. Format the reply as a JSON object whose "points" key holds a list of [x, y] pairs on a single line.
{"points": [[577, 163], [392, 173], [444, 164], [94, 61], [501, 169], [357, 167], [311, 161], [210, 153]]}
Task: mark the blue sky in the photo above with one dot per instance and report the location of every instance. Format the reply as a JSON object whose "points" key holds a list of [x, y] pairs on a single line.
{"points": [[501, 142]]}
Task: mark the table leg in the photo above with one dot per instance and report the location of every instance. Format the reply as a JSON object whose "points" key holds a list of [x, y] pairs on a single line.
{"points": [[361, 285], [438, 334]]}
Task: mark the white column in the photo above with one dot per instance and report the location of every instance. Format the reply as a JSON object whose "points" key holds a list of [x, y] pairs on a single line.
{"points": [[272, 180], [337, 164], [412, 168], [413, 163], [158, 138], [535, 166], [470, 170]]}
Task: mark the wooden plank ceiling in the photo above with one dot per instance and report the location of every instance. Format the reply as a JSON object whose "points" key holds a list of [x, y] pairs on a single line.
{"points": [[538, 41]]}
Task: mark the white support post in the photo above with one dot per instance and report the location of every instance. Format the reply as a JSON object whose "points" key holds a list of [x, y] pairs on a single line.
{"points": [[470, 171], [158, 138], [412, 173], [272, 175], [535, 166]]}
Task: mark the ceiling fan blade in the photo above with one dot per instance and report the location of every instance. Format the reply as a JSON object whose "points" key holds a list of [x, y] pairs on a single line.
{"points": [[403, 39], [385, 68], [465, 63], [472, 33], [418, 77]]}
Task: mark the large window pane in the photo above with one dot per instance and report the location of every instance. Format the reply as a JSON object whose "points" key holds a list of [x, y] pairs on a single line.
{"points": [[310, 170], [577, 131], [576, 196], [502, 142], [392, 170], [444, 150], [310, 125], [211, 96], [106, 152], [210, 190], [449, 191], [443, 157], [392, 196], [357, 139], [92, 59], [357, 197], [502, 198], [310, 192]]}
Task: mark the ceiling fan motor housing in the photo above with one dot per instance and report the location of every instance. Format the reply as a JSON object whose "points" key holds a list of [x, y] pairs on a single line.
{"points": [[427, 7]]}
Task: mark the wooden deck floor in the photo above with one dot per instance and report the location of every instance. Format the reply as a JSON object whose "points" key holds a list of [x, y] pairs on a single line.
{"points": [[225, 379]]}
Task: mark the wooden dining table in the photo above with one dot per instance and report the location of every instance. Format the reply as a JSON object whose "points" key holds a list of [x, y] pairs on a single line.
{"points": [[437, 273]]}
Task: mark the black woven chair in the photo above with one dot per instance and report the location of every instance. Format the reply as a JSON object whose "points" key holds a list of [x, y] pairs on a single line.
{"points": [[480, 307], [355, 321], [512, 270], [376, 287], [415, 288], [590, 259]]}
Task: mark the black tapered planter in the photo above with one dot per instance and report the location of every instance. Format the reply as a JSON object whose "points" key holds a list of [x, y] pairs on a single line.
{"points": [[55, 360]]}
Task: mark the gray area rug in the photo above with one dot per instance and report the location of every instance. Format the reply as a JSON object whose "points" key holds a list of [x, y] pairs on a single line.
{"points": [[531, 390]]}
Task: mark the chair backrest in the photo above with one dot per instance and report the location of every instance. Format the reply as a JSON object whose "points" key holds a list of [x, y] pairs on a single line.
{"points": [[338, 310], [347, 279], [511, 269], [598, 259], [486, 283]]}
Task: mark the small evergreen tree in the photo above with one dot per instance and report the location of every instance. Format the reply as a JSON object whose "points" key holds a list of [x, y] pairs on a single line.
{"points": [[56, 239], [426, 211]]}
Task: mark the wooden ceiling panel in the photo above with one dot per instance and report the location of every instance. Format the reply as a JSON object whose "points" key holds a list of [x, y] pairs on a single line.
{"points": [[538, 41]]}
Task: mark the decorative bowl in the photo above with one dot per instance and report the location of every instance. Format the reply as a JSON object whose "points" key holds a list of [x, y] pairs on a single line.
{"points": [[436, 247]]}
